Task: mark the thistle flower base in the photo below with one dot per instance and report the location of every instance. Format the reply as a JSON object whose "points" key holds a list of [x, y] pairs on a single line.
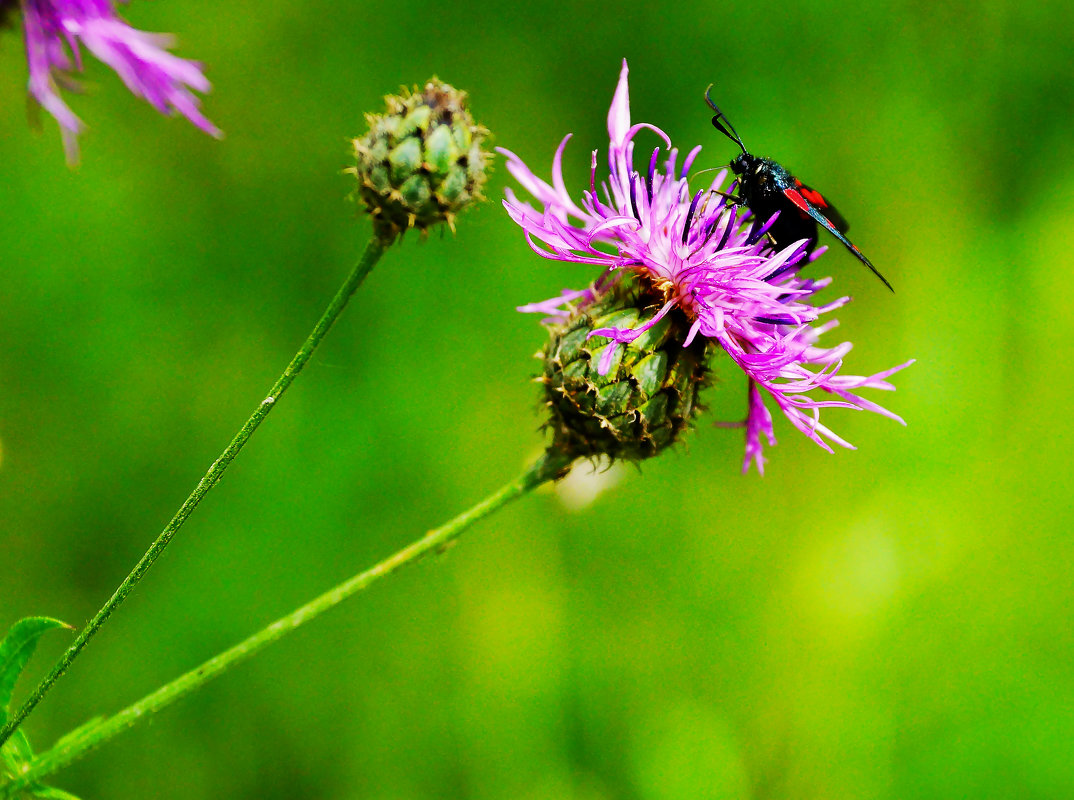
{"points": [[645, 399]]}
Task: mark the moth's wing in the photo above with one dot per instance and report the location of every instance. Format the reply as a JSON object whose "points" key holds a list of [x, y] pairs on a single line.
{"points": [[821, 216], [819, 201]]}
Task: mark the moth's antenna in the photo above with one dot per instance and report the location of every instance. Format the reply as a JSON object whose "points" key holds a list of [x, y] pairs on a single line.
{"points": [[709, 169], [727, 130]]}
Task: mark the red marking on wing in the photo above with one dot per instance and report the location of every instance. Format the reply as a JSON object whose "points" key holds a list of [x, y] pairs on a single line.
{"points": [[814, 197], [819, 201], [800, 202]]}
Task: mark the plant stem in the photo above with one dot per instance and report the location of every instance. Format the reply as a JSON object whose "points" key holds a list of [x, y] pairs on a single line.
{"points": [[546, 468], [374, 250]]}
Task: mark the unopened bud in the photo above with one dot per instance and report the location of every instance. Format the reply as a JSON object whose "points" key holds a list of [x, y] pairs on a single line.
{"points": [[421, 162]]}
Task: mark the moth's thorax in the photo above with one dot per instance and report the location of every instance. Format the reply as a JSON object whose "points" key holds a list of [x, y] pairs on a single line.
{"points": [[760, 177]]}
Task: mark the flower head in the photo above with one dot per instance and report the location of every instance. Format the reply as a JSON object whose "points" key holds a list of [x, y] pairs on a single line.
{"points": [[706, 258], [421, 162], [57, 29]]}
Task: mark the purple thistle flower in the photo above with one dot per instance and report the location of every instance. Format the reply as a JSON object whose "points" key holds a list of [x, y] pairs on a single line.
{"points": [[55, 31], [706, 257]]}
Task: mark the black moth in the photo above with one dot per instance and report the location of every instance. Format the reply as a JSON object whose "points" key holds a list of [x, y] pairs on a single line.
{"points": [[765, 186]]}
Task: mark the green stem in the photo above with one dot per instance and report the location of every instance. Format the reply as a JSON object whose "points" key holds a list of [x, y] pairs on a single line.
{"points": [[374, 250], [82, 741]]}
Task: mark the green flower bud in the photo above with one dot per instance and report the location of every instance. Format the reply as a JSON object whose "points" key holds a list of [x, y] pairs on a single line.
{"points": [[421, 162], [646, 399]]}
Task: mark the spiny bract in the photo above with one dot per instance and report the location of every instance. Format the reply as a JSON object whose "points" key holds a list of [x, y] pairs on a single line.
{"points": [[646, 399], [421, 162]]}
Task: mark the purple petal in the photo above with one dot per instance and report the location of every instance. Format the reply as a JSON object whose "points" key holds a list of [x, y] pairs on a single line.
{"points": [[619, 113], [57, 29]]}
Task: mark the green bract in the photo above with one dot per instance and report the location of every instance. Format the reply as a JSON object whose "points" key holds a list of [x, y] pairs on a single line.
{"points": [[421, 162], [647, 398]]}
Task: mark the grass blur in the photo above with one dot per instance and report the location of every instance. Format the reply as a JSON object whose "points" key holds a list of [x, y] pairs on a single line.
{"points": [[892, 622]]}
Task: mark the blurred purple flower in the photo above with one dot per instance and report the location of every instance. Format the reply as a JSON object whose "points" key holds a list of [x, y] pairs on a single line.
{"points": [[707, 258], [55, 31]]}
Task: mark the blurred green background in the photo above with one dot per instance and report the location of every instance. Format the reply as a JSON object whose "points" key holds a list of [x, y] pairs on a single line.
{"points": [[893, 622]]}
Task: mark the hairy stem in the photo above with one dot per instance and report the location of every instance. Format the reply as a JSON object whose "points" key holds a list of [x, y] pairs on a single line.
{"points": [[82, 741], [374, 250]]}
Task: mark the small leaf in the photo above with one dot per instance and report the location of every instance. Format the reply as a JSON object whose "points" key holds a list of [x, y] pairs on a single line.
{"points": [[11, 756], [72, 735], [50, 793], [17, 751], [16, 756], [15, 651]]}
